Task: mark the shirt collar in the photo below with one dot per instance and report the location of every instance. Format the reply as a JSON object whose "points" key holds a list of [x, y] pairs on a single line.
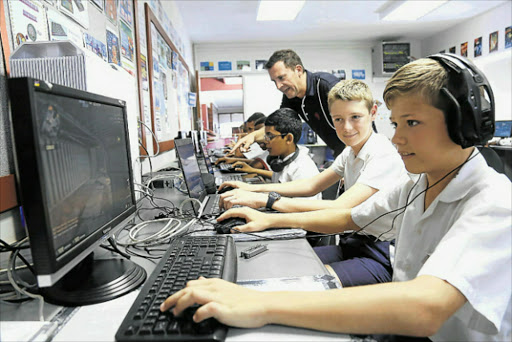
{"points": [[366, 149]]}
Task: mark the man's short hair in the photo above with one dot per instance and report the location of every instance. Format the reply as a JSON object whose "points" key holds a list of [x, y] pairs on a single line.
{"points": [[287, 56], [260, 121], [351, 90], [286, 120], [424, 77], [255, 116]]}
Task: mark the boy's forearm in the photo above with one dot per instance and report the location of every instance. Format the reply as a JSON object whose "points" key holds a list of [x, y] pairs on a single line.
{"points": [[326, 221], [297, 205]]}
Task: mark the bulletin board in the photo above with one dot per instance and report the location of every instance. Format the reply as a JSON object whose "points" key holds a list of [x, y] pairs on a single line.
{"points": [[168, 79]]}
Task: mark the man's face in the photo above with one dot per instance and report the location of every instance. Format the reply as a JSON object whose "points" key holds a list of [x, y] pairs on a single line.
{"points": [[353, 122], [275, 141], [421, 136], [288, 81]]}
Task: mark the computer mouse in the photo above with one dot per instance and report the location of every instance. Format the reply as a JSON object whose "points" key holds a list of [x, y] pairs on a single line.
{"points": [[225, 189], [224, 227]]}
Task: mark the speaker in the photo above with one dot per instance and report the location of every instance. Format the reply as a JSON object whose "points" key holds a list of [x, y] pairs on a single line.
{"points": [[277, 164], [467, 101], [209, 183]]}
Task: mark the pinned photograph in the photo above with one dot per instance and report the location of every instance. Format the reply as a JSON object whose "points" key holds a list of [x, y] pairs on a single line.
{"points": [[493, 41], [452, 49], [464, 49], [478, 47], [508, 37]]}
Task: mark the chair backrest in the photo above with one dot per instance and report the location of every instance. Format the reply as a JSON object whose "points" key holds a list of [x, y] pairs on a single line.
{"points": [[492, 159]]}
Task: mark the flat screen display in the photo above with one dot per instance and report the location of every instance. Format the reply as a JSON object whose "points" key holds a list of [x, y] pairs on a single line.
{"points": [[503, 129], [84, 166], [190, 168]]}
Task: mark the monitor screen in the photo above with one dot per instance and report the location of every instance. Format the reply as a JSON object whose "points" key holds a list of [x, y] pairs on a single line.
{"points": [[190, 168], [207, 159], [74, 168], [503, 129]]}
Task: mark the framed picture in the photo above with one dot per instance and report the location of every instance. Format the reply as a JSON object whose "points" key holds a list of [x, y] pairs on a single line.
{"points": [[493, 42], [464, 49], [452, 49], [478, 47], [508, 37]]}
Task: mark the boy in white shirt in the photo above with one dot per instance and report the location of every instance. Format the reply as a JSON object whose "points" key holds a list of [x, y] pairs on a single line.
{"points": [[453, 264], [287, 161], [368, 164]]}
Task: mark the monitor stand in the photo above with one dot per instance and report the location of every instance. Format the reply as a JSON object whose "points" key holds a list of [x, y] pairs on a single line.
{"points": [[95, 281]]}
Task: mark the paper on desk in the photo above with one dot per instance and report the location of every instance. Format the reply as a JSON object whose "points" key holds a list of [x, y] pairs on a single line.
{"points": [[35, 331], [283, 333], [304, 283]]}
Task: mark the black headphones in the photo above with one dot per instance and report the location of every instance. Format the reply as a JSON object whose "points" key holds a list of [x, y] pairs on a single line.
{"points": [[277, 164], [467, 101]]}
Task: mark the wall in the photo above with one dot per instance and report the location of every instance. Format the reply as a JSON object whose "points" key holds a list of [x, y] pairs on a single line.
{"points": [[10, 229], [496, 65], [261, 95]]}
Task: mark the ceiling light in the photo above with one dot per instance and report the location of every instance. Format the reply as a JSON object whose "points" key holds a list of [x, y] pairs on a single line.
{"points": [[279, 10], [408, 10]]}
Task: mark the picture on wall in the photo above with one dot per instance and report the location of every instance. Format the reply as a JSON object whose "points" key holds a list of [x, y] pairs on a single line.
{"points": [[243, 65], [493, 41], [452, 49], [260, 64], [442, 51], [478, 47], [464, 49], [113, 48], [111, 10], [206, 66], [508, 37]]}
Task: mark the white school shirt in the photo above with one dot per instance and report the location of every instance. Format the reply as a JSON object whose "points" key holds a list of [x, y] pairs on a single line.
{"points": [[302, 167], [377, 164], [464, 238], [256, 152]]}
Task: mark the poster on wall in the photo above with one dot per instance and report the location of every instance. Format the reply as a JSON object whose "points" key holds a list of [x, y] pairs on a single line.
{"points": [[452, 49], [243, 65], [260, 64], [340, 73], [225, 66], [62, 28], [464, 49], [508, 37], [478, 47], [141, 27], [126, 11], [28, 22], [76, 10], [113, 48], [442, 51], [493, 41], [144, 72], [206, 66], [358, 74], [95, 46], [111, 10], [127, 47]]}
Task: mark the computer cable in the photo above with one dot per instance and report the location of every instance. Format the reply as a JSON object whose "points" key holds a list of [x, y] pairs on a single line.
{"points": [[156, 140], [187, 200]]}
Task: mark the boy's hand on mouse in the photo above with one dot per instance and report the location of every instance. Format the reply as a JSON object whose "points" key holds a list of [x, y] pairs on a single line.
{"points": [[243, 167], [242, 197], [229, 303], [256, 221]]}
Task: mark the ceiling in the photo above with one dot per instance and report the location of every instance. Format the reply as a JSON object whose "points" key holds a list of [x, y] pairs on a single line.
{"points": [[219, 21], [215, 21]]}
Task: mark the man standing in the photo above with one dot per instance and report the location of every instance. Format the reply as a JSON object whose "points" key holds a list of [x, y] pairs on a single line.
{"points": [[304, 92]]}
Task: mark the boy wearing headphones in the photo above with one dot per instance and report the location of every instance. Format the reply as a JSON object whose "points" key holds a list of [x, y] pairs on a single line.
{"points": [[452, 277], [287, 161]]}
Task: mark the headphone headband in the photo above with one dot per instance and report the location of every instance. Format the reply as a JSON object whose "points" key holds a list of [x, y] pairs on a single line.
{"points": [[277, 164]]}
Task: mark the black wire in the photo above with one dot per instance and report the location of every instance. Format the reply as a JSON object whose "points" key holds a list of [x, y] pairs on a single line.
{"points": [[149, 159]]}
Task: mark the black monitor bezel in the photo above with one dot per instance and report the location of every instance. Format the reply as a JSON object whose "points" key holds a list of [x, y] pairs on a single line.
{"points": [[30, 181], [183, 142]]}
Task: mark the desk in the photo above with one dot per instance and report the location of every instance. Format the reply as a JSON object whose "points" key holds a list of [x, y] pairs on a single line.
{"points": [[100, 322]]}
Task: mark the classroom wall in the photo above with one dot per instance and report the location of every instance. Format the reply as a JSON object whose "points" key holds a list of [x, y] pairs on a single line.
{"points": [[261, 95], [497, 66]]}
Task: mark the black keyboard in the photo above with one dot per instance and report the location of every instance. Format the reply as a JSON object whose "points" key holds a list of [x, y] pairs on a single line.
{"points": [[186, 259]]}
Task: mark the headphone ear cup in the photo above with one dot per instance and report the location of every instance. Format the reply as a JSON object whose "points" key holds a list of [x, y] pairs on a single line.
{"points": [[275, 163], [452, 115]]}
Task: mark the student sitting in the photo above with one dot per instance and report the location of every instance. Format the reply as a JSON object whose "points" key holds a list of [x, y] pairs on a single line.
{"points": [[287, 161], [256, 157], [452, 278], [368, 164]]}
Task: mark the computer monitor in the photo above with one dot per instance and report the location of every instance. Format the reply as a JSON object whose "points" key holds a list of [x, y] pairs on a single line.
{"points": [[74, 175], [503, 129], [190, 168]]}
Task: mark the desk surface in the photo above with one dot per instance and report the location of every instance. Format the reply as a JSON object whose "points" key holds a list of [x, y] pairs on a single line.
{"points": [[99, 322]]}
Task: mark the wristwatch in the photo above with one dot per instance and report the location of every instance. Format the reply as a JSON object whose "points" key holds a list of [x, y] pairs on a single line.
{"points": [[272, 197]]}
